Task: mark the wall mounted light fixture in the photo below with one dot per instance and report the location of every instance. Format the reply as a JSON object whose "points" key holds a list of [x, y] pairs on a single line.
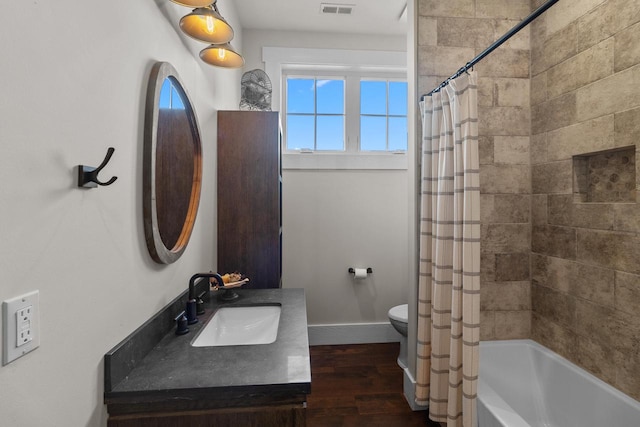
{"points": [[222, 55], [206, 24]]}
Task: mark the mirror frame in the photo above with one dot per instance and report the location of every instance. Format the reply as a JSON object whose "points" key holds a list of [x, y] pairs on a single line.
{"points": [[157, 249]]}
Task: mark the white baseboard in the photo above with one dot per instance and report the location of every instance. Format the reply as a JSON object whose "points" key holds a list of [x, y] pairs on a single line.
{"points": [[354, 333], [409, 388]]}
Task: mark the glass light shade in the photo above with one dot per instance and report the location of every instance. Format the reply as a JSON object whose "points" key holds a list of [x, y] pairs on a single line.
{"points": [[194, 3], [206, 25], [222, 55]]}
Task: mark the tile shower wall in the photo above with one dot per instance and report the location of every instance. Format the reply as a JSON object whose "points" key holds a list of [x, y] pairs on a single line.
{"points": [[585, 98], [451, 33]]}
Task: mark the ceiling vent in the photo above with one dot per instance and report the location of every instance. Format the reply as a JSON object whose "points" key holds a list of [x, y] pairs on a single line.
{"points": [[336, 9]]}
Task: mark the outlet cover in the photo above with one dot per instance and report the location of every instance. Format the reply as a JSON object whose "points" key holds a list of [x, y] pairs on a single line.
{"points": [[20, 326]]}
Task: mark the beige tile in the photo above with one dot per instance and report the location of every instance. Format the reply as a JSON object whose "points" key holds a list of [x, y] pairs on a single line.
{"points": [[596, 358], [485, 150], [442, 61], [584, 68], [512, 150], [554, 306], [627, 127], [627, 217], [504, 121], [566, 12], [504, 179], [582, 138], [628, 13], [513, 324], [627, 48], [538, 30], [555, 49], [512, 92], [503, 63], [555, 177], [539, 89], [612, 94], [607, 326], [504, 208], [512, 208], [554, 113], [465, 32], [427, 31], [538, 148], [486, 89], [512, 267], [487, 267], [627, 378], [499, 238], [427, 83], [597, 25], [505, 296], [539, 209], [554, 241], [521, 40], [446, 8], [487, 325], [556, 337], [564, 211], [627, 292], [619, 251], [513, 9]]}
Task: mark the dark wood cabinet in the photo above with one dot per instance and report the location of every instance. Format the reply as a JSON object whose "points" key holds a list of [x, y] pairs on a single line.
{"points": [[249, 196]]}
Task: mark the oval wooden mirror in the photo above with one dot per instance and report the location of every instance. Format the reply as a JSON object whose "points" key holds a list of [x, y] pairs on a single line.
{"points": [[172, 165]]}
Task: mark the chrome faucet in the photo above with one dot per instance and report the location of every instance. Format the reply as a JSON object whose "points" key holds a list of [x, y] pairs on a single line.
{"points": [[191, 311]]}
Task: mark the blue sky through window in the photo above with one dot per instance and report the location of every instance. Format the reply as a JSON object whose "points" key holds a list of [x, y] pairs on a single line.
{"points": [[316, 108]]}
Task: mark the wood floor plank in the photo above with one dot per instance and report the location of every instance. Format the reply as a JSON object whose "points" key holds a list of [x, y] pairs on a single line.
{"points": [[359, 385]]}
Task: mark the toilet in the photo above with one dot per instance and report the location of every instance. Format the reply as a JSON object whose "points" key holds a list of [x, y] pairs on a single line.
{"points": [[398, 316]]}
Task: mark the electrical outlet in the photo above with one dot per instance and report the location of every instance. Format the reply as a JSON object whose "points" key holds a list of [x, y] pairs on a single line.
{"points": [[20, 326]]}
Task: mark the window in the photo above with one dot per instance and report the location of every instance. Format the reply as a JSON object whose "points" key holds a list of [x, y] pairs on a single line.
{"points": [[316, 148], [383, 115], [345, 113], [315, 114]]}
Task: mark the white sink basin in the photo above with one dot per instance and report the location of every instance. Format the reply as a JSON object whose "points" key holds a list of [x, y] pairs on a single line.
{"points": [[240, 325]]}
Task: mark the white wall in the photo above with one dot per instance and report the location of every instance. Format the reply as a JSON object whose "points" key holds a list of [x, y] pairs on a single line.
{"points": [[336, 219], [74, 78]]}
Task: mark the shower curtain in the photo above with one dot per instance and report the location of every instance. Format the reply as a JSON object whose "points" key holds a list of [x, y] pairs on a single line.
{"points": [[449, 283]]}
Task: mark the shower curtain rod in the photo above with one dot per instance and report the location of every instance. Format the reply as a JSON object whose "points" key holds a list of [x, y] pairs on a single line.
{"points": [[494, 45]]}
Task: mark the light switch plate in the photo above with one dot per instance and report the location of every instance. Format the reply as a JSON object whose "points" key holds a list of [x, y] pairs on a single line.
{"points": [[20, 326]]}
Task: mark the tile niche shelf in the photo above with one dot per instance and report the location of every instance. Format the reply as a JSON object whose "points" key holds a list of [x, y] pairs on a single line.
{"points": [[605, 176]]}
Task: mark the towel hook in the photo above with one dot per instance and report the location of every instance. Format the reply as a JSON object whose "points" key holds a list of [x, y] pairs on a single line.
{"points": [[88, 176]]}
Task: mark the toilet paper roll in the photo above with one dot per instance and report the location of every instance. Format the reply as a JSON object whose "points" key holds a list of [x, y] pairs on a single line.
{"points": [[360, 273]]}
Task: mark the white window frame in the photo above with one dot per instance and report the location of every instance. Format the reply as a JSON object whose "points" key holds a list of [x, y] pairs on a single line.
{"points": [[327, 62]]}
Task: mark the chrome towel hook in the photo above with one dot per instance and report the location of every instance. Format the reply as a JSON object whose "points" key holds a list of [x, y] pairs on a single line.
{"points": [[88, 176]]}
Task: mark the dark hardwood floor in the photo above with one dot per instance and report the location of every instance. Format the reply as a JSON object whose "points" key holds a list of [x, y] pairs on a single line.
{"points": [[359, 385]]}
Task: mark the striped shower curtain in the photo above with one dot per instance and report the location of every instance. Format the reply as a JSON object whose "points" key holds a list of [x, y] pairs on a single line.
{"points": [[449, 284]]}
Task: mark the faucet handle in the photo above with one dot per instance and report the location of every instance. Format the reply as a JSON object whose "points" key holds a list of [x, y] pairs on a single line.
{"points": [[181, 324]]}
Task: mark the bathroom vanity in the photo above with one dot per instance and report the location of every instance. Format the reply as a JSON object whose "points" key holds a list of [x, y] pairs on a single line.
{"points": [[172, 383]]}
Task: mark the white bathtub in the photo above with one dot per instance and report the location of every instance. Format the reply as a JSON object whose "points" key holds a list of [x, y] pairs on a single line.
{"points": [[524, 384]]}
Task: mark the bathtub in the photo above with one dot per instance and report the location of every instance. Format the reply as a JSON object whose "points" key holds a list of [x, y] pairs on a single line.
{"points": [[524, 384]]}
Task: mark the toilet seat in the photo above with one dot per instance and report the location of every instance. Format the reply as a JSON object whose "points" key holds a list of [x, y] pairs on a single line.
{"points": [[399, 313]]}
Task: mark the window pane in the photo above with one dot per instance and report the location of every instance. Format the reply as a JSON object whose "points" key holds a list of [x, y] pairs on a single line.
{"points": [[300, 132], [300, 96], [398, 98], [397, 133], [330, 96], [330, 133], [373, 97], [373, 133]]}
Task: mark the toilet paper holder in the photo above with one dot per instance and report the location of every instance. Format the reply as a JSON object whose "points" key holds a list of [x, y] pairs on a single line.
{"points": [[353, 270]]}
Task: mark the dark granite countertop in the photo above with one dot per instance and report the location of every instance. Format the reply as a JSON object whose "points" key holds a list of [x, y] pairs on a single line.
{"points": [[174, 369]]}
